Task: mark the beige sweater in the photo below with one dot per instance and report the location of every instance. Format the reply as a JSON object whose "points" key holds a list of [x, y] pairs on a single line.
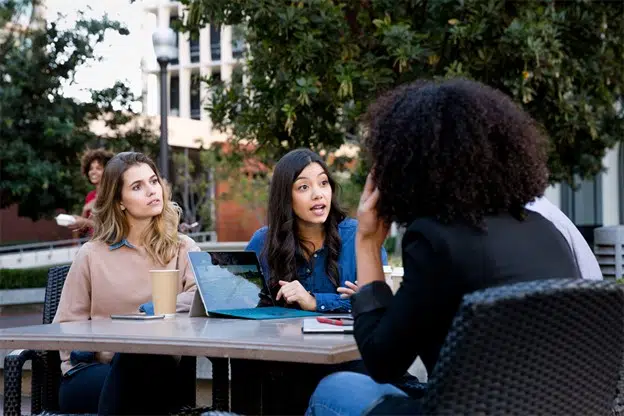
{"points": [[104, 281]]}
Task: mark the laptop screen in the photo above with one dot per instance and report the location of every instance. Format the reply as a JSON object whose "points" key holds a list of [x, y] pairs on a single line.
{"points": [[227, 280]]}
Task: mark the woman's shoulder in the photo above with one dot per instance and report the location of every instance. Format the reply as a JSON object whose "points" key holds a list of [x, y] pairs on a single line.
{"points": [[347, 228], [256, 242], [260, 233], [90, 195], [187, 243], [89, 249]]}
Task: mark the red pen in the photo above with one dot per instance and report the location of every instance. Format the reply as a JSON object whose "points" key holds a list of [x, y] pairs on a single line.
{"points": [[330, 321]]}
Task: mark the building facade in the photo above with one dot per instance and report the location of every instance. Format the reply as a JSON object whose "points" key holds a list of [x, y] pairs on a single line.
{"points": [[214, 52]]}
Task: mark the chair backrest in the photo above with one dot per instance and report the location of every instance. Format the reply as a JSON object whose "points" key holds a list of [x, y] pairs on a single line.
{"points": [[54, 288], [46, 384], [543, 347]]}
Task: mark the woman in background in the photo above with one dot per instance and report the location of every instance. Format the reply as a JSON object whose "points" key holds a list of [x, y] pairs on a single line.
{"points": [[92, 164]]}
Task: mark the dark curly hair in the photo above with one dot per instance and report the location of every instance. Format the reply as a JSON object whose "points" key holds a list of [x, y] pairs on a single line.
{"points": [[283, 248], [455, 151], [91, 155]]}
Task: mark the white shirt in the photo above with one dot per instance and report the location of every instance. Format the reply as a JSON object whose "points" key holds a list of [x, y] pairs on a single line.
{"points": [[583, 255]]}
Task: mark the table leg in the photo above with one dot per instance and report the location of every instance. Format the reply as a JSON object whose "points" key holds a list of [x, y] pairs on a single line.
{"points": [[247, 384], [220, 384], [274, 388]]}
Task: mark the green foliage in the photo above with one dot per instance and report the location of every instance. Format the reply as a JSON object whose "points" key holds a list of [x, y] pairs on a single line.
{"points": [[23, 278], [193, 188], [42, 132], [315, 65], [390, 244]]}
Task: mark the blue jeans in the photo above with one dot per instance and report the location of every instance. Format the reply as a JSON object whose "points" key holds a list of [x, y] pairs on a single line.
{"points": [[346, 394], [131, 384]]}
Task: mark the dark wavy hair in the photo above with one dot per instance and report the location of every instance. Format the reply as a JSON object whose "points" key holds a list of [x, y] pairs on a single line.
{"points": [[455, 151], [91, 155], [283, 248]]}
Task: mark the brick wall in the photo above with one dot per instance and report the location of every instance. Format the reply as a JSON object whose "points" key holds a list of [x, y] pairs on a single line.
{"points": [[15, 229], [235, 222]]}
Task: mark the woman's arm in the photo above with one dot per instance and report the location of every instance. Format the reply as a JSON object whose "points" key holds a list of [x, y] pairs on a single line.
{"points": [[391, 330], [189, 286], [387, 328]]}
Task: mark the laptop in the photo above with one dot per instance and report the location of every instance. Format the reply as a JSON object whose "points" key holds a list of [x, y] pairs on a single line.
{"points": [[231, 284]]}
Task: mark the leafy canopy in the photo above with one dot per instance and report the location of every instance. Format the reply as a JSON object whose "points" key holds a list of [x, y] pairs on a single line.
{"points": [[313, 66], [43, 132]]}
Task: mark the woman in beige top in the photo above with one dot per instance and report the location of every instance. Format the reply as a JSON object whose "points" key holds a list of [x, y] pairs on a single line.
{"points": [[136, 227]]}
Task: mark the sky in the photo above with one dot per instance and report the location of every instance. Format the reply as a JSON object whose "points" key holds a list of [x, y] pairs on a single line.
{"points": [[122, 54]]}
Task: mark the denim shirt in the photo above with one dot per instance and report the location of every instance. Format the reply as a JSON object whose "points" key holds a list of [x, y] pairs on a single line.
{"points": [[312, 274]]}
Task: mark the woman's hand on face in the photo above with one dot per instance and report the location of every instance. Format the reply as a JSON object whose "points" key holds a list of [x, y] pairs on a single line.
{"points": [[349, 290], [370, 226], [294, 292]]}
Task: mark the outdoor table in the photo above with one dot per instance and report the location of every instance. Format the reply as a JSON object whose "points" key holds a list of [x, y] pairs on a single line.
{"points": [[251, 346]]}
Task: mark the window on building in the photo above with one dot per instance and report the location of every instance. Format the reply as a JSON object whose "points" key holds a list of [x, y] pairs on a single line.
{"points": [[238, 41], [173, 23], [174, 95], [582, 203], [215, 42], [194, 46], [195, 101]]}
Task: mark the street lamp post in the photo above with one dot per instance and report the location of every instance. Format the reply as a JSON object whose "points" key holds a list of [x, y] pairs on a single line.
{"points": [[165, 48]]}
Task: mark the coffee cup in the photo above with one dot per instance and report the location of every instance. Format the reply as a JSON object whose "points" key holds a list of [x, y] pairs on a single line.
{"points": [[164, 292]]}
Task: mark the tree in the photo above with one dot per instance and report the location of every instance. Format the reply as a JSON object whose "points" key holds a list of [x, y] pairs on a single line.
{"points": [[42, 132], [194, 186], [315, 65]]}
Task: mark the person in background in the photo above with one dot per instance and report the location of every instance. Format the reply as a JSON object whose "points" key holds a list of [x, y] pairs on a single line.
{"points": [[307, 251], [456, 162], [136, 230], [92, 164], [583, 255]]}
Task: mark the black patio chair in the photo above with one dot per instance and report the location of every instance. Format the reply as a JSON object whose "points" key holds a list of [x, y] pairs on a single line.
{"points": [[551, 347]]}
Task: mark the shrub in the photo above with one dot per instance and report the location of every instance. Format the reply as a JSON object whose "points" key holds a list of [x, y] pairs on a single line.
{"points": [[23, 278]]}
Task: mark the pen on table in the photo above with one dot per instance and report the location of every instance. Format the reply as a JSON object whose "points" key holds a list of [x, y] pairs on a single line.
{"points": [[330, 321]]}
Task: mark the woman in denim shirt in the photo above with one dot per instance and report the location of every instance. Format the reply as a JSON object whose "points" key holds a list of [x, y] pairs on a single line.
{"points": [[307, 252]]}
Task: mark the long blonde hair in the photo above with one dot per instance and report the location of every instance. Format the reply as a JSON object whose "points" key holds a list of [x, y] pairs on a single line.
{"points": [[160, 240]]}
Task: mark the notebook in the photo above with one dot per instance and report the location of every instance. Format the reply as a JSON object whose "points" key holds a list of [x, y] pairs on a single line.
{"points": [[313, 326], [230, 284]]}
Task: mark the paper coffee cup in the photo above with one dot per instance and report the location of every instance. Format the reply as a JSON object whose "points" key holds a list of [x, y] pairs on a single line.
{"points": [[164, 291], [64, 220]]}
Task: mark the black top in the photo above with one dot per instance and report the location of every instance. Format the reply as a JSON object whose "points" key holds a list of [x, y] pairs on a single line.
{"points": [[442, 263]]}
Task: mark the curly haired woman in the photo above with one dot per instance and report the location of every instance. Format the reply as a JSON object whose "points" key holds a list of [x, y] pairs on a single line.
{"points": [[456, 162], [92, 166]]}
